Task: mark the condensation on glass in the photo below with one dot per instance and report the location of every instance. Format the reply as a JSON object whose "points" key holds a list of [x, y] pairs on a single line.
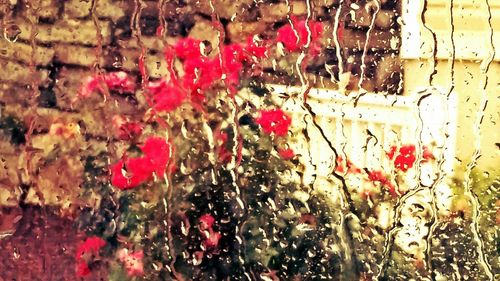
{"points": [[249, 140]]}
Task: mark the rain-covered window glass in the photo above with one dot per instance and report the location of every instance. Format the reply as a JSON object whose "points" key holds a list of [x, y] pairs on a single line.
{"points": [[249, 140]]}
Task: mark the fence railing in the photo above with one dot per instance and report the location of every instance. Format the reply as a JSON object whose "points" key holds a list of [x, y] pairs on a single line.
{"points": [[362, 128]]}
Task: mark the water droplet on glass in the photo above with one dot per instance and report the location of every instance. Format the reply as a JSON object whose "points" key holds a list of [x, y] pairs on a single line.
{"points": [[117, 64], [11, 32]]}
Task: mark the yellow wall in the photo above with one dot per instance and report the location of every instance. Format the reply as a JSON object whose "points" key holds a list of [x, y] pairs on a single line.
{"points": [[469, 83], [473, 44]]}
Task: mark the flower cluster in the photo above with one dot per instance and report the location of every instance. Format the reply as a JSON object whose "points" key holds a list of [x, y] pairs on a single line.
{"points": [[131, 172], [201, 72], [406, 156], [194, 72], [403, 159], [274, 121]]}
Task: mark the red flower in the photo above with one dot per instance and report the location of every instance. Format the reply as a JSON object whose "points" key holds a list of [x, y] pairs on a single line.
{"points": [[351, 168], [124, 129], [157, 151], [206, 221], [130, 130], [199, 74], [131, 173], [211, 237], [223, 153], [82, 268], [166, 97], [406, 157], [391, 152], [286, 153], [380, 177], [427, 154], [187, 48], [253, 49], [90, 246], [89, 86], [340, 165], [233, 56], [212, 240], [295, 38], [274, 121], [135, 171], [340, 31], [160, 30], [347, 167]]}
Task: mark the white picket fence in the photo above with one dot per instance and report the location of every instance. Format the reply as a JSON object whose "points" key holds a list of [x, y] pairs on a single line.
{"points": [[363, 128]]}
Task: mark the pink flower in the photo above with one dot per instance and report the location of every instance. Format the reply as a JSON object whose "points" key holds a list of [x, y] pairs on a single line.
{"points": [[166, 97], [212, 240], [286, 153], [118, 81], [295, 38], [132, 261], [406, 157], [206, 221], [84, 252], [274, 121]]}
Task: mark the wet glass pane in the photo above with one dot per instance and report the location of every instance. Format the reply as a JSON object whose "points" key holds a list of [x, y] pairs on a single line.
{"points": [[249, 140]]}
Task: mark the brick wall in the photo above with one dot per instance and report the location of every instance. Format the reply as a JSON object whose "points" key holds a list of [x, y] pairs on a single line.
{"points": [[50, 46]]}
